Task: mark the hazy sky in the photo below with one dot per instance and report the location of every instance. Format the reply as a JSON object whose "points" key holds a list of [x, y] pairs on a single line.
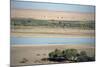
{"points": [[52, 6]]}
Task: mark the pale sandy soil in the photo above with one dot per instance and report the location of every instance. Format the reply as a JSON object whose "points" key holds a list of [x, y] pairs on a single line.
{"points": [[34, 54], [51, 15], [51, 32]]}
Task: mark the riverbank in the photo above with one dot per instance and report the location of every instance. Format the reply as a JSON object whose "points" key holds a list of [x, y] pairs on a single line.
{"points": [[52, 32]]}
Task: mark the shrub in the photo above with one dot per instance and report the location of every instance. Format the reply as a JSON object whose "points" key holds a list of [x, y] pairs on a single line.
{"points": [[56, 55], [82, 57], [83, 53], [70, 54]]}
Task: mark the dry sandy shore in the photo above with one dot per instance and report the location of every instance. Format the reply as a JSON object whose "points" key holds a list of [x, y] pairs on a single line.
{"points": [[51, 32], [34, 54]]}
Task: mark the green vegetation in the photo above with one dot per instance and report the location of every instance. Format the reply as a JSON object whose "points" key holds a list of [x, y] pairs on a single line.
{"points": [[56, 55], [53, 23], [70, 55], [82, 57]]}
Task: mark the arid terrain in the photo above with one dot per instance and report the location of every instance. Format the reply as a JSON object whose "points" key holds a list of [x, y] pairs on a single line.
{"points": [[32, 23], [51, 15], [34, 54]]}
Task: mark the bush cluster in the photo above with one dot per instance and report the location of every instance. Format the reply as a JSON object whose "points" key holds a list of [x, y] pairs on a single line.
{"points": [[70, 55]]}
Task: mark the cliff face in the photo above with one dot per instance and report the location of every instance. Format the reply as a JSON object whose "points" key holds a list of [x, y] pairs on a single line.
{"points": [[51, 15]]}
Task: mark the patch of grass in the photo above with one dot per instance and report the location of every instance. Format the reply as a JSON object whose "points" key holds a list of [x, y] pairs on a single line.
{"points": [[44, 59], [24, 60], [38, 54]]}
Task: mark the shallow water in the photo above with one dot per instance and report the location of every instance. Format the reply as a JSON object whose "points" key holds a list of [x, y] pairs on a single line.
{"points": [[36, 41]]}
